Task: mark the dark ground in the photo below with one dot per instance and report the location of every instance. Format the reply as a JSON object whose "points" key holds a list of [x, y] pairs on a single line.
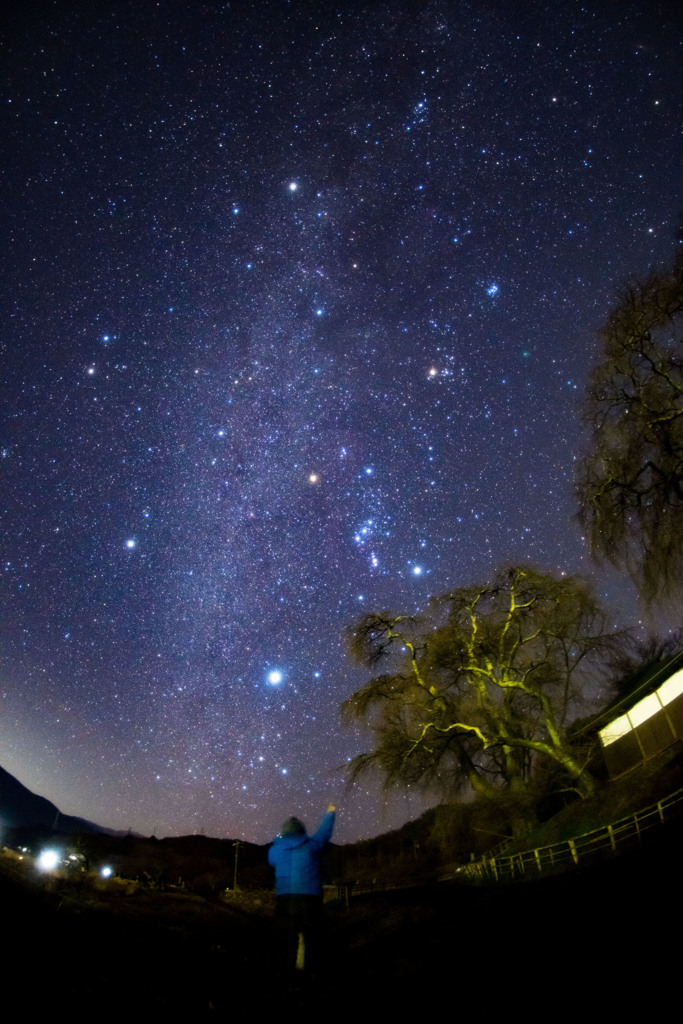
{"points": [[604, 937]]}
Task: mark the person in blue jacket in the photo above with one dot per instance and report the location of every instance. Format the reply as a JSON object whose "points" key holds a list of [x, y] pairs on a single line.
{"points": [[298, 887]]}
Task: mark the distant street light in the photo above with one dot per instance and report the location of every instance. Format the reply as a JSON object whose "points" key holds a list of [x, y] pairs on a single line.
{"points": [[48, 860]]}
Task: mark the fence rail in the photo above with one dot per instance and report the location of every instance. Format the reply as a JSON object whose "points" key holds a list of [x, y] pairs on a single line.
{"points": [[581, 849]]}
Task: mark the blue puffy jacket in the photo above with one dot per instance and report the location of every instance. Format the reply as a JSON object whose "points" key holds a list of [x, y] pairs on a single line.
{"points": [[296, 859]]}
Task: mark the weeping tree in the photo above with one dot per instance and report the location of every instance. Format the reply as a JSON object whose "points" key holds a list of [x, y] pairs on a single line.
{"points": [[630, 486], [481, 694]]}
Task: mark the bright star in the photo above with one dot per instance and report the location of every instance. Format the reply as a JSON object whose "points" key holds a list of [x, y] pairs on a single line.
{"points": [[293, 186], [274, 677], [131, 543], [417, 570], [493, 290]]}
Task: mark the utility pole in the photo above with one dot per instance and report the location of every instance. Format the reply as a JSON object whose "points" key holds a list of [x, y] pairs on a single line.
{"points": [[237, 845]]}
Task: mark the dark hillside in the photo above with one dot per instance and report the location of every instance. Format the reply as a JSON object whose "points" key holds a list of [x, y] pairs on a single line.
{"points": [[589, 936]]}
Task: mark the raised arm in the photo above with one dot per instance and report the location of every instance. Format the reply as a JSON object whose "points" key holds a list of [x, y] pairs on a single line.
{"points": [[324, 833]]}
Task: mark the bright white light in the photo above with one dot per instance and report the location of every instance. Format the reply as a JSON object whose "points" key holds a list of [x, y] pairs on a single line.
{"points": [[293, 186], [417, 570], [106, 872], [48, 860], [275, 677], [130, 543], [493, 290]]}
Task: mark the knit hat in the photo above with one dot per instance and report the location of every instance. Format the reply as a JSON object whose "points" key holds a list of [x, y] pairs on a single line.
{"points": [[293, 827]]}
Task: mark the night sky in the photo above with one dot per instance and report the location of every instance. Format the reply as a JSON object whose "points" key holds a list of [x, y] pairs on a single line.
{"points": [[299, 305]]}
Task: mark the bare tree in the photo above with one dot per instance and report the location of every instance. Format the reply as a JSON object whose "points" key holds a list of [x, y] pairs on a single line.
{"points": [[484, 691], [630, 486]]}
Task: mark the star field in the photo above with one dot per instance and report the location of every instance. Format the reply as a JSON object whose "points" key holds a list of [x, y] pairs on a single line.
{"points": [[300, 301]]}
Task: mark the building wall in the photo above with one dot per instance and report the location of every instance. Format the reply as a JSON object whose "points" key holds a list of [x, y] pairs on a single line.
{"points": [[651, 725]]}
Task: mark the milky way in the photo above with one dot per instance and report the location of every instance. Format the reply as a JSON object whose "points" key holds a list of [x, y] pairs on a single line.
{"points": [[300, 302]]}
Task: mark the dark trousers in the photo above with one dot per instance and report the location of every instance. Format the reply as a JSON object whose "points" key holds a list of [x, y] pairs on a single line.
{"points": [[300, 918]]}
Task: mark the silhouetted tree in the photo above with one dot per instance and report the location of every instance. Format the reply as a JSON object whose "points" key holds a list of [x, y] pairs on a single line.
{"points": [[640, 662], [630, 485], [485, 689]]}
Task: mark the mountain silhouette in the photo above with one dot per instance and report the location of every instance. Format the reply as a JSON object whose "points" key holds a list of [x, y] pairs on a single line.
{"points": [[19, 807]]}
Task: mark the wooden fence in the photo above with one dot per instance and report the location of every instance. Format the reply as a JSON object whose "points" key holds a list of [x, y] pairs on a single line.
{"points": [[570, 852]]}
